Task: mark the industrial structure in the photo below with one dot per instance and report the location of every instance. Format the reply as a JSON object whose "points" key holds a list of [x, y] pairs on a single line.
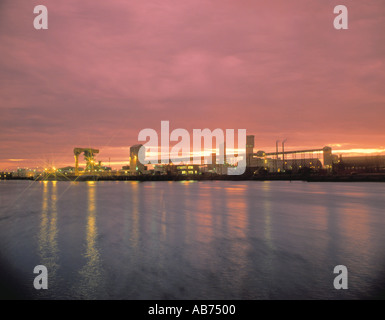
{"points": [[136, 167], [318, 161], [295, 160], [368, 164], [88, 157], [280, 161], [274, 162]]}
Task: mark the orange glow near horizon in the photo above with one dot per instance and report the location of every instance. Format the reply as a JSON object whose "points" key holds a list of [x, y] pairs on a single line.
{"points": [[362, 151], [14, 164]]}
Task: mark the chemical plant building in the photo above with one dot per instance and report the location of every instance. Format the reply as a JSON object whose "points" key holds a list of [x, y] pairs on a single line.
{"points": [[294, 161], [276, 162], [280, 161], [368, 164], [297, 161], [320, 160], [136, 167]]}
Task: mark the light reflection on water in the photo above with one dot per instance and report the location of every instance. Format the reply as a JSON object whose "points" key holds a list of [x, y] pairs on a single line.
{"points": [[48, 247], [91, 273], [195, 240]]}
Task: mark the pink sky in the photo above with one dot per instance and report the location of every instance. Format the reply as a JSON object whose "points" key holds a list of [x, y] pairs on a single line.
{"points": [[104, 70]]}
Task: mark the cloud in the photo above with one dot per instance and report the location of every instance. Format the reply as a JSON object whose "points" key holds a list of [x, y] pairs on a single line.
{"points": [[105, 70]]}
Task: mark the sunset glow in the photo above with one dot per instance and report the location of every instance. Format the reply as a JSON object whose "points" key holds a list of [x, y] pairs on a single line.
{"points": [[104, 70]]}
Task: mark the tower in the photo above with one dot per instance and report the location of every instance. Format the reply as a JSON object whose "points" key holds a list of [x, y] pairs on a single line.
{"points": [[249, 149], [328, 157], [136, 166]]}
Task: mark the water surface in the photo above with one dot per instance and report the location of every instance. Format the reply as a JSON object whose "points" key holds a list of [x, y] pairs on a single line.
{"points": [[194, 240]]}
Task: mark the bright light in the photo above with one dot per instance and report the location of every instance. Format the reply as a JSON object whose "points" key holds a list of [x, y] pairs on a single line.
{"points": [[361, 151]]}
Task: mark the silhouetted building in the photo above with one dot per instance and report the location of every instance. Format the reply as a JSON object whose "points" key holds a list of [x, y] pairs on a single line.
{"points": [[5, 175], [361, 164], [187, 169], [135, 166], [249, 149]]}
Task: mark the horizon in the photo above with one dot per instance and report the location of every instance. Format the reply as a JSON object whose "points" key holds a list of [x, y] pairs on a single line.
{"points": [[118, 164]]}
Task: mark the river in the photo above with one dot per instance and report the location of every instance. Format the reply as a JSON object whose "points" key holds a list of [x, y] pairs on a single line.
{"points": [[193, 240]]}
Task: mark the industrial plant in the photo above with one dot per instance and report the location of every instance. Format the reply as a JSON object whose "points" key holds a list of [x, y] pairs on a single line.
{"points": [[318, 163]]}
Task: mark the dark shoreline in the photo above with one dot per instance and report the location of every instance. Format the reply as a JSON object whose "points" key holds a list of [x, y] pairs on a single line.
{"points": [[271, 177]]}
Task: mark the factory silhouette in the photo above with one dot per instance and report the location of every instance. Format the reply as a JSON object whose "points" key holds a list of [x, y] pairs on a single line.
{"points": [[318, 164]]}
